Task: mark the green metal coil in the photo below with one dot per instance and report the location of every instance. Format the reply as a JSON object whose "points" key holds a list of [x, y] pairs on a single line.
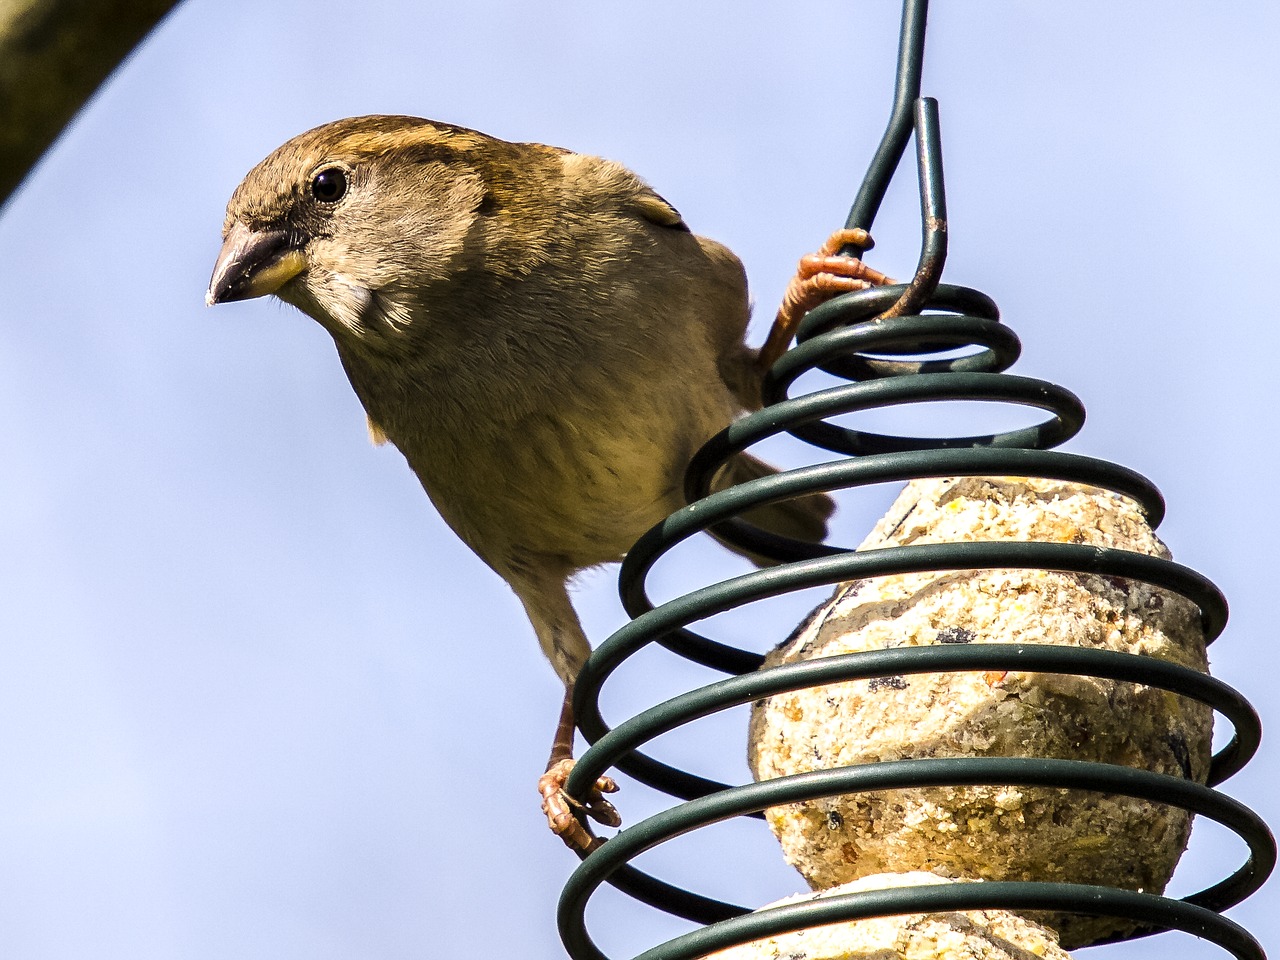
{"points": [[881, 341]]}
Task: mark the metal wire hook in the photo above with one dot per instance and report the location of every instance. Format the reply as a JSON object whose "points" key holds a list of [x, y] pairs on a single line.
{"points": [[909, 111], [933, 214], [894, 141]]}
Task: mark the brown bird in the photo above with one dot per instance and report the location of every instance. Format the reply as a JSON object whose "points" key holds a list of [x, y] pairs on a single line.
{"points": [[540, 335]]}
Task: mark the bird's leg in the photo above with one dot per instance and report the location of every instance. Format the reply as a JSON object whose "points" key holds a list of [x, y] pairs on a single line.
{"points": [[541, 586], [558, 805], [819, 277]]}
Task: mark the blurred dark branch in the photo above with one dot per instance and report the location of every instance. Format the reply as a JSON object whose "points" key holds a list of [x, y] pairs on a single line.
{"points": [[53, 55]]}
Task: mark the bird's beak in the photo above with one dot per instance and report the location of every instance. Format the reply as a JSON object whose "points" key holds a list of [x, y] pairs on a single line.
{"points": [[253, 263]]}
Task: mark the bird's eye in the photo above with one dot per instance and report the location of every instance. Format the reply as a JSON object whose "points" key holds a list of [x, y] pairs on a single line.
{"points": [[329, 185]]}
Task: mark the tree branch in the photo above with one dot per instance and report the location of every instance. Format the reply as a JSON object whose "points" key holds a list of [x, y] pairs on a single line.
{"points": [[53, 55]]}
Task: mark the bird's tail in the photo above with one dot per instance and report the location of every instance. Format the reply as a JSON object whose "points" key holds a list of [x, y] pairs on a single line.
{"points": [[803, 518]]}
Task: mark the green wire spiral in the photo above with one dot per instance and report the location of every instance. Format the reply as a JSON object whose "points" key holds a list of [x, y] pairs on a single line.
{"points": [[880, 340]]}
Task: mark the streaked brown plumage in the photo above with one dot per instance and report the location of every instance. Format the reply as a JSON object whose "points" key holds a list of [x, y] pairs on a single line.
{"points": [[536, 330]]}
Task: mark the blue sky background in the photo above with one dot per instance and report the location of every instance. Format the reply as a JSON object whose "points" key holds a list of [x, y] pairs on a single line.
{"points": [[256, 701]]}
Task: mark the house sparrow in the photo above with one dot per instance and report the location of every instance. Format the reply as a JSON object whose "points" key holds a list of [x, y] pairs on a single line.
{"points": [[540, 335]]}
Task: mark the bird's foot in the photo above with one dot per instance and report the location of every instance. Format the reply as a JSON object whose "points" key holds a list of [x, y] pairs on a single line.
{"points": [[559, 807], [819, 277]]}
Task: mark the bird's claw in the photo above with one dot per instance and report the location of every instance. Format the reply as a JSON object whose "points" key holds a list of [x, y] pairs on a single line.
{"points": [[819, 277], [560, 807]]}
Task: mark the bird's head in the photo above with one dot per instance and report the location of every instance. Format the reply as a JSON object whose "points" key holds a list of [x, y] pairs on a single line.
{"points": [[363, 212]]}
